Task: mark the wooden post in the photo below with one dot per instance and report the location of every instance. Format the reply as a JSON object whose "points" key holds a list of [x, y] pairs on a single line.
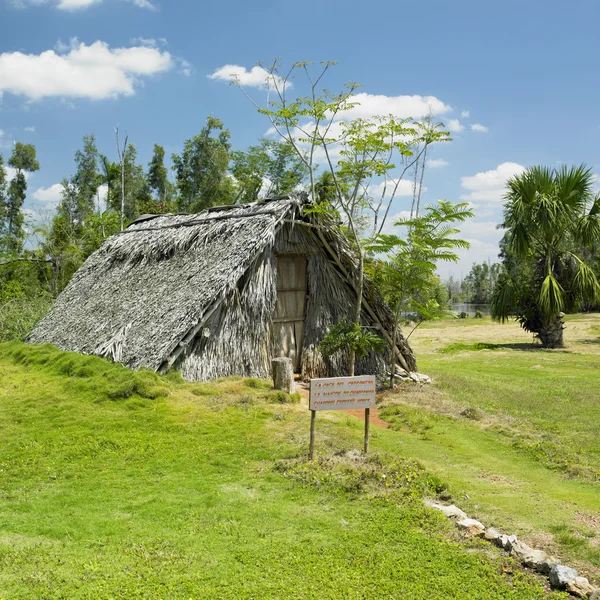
{"points": [[283, 374], [311, 451], [367, 419]]}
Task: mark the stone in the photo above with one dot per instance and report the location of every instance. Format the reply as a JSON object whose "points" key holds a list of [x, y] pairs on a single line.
{"points": [[595, 595], [506, 541], [491, 534], [415, 377], [561, 575], [451, 511], [472, 527], [580, 587], [536, 559], [520, 549]]}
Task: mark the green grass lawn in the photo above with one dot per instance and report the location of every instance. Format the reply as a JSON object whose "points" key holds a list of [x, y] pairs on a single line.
{"points": [[128, 485], [513, 429]]}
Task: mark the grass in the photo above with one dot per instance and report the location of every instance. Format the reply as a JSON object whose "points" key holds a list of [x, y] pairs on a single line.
{"points": [[129, 485], [512, 428]]}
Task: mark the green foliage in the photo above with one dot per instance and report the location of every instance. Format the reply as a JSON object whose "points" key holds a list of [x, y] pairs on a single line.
{"points": [[272, 161], [201, 169], [23, 160], [19, 313], [345, 335], [552, 218], [478, 286]]}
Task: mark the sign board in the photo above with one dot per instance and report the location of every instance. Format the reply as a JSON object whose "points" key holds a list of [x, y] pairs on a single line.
{"points": [[342, 393]]}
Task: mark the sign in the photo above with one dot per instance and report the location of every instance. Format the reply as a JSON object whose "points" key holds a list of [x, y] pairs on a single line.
{"points": [[342, 393]]}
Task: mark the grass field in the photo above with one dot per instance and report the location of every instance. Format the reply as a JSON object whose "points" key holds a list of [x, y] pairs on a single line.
{"points": [[127, 485], [514, 430]]}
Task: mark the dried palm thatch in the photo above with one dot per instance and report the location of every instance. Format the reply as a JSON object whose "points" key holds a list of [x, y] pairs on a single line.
{"points": [[198, 292]]}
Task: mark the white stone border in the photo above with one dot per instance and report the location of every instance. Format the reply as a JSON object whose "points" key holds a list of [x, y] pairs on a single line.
{"points": [[561, 577]]}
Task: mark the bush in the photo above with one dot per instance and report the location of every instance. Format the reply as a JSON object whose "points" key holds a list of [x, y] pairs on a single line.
{"points": [[20, 314]]}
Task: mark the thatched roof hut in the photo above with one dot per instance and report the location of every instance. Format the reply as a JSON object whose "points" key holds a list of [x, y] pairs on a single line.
{"points": [[218, 293]]}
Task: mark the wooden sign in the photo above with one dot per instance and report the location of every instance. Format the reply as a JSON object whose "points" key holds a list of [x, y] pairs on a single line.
{"points": [[341, 393]]}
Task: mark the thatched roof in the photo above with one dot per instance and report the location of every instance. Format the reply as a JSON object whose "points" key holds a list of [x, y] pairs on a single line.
{"points": [[146, 292]]}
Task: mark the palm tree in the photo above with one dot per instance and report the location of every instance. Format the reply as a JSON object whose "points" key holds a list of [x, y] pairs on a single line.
{"points": [[552, 218]]}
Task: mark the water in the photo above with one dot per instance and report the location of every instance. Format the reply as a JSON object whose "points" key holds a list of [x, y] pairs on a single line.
{"points": [[471, 309]]}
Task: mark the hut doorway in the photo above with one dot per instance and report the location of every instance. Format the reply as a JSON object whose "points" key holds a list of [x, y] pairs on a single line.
{"points": [[288, 320]]}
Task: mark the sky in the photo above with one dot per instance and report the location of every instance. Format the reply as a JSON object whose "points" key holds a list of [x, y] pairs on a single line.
{"points": [[515, 82]]}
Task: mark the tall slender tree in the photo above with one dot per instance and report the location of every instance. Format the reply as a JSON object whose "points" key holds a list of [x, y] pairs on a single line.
{"points": [[201, 169], [23, 160]]}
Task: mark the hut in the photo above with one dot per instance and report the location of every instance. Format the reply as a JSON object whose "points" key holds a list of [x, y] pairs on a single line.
{"points": [[219, 293]]}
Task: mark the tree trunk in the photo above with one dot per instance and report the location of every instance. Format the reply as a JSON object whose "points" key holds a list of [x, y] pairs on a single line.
{"points": [[360, 284], [550, 332], [283, 374]]}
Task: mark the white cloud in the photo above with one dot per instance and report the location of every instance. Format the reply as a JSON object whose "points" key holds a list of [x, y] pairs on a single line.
{"points": [[30, 129], [51, 194], [488, 186], [405, 188], [455, 125], [479, 128], [465, 114], [144, 4], [437, 163], [185, 68], [95, 71], [11, 172], [255, 77], [416, 107], [72, 5], [1, 133]]}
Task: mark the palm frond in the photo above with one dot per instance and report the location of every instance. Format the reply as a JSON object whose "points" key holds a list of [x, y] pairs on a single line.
{"points": [[552, 296]]}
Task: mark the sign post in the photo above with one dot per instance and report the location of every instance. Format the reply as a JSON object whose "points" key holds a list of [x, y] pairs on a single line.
{"points": [[341, 393]]}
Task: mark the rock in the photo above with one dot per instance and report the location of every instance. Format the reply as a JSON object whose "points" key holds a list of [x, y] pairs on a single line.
{"points": [[472, 527], [424, 378], [401, 372], [415, 377], [538, 560], [506, 541], [491, 534], [561, 575], [450, 511], [580, 587], [595, 595], [520, 549]]}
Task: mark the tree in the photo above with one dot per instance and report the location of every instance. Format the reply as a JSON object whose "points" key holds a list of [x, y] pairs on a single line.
{"points": [[23, 160], [551, 217], [201, 169], [374, 155], [479, 284], [273, 163], [407, 278], [86, 180]]}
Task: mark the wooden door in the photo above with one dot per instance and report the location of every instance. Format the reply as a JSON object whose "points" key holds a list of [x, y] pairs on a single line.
{"points": [[288, 320]]}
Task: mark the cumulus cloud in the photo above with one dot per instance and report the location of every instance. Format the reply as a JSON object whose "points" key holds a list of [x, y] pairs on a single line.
{"points": [[51, 194], [255, 77], [479, 128], [72, 5], [30, 129], [455, 125], [75, 5], [405, 188], [416, 107], [488, 186], [465, 114], [437, 163], [144, 4], [95, 71]]}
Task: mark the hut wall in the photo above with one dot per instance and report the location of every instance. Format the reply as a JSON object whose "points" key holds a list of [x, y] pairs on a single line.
{"points": [[330, 298], [235, 341]]}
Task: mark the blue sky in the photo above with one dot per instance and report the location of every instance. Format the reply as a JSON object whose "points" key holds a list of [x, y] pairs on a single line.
{"points": [[525, 71]]}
